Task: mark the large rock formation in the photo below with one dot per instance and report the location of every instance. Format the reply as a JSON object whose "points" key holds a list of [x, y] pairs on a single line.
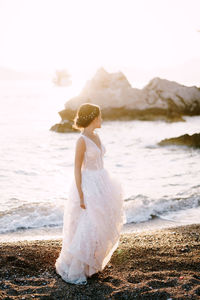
{"points": [[160, 99], [176, 98], [186, 140]]}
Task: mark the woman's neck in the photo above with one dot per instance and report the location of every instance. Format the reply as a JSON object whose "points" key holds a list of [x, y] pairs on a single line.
{"points": [[89, 131]]}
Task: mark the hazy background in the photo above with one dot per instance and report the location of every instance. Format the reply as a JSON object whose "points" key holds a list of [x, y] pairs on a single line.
{"points": [[143, 39]]}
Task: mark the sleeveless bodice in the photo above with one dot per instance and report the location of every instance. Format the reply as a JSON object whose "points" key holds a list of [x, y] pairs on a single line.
{"points": [[93, 156]]}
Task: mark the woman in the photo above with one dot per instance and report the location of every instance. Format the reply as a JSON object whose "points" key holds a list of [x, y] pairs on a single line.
{"points": [[93, 215]]}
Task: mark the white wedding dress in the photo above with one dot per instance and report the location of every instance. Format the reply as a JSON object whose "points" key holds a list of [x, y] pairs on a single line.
{"points": [[91, 235]]}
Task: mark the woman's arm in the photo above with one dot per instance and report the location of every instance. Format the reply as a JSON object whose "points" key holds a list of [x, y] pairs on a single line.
{"points": [[79, 155]]}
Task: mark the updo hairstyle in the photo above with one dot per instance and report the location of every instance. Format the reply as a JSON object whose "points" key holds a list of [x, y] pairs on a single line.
{"points": [[85, 114]]}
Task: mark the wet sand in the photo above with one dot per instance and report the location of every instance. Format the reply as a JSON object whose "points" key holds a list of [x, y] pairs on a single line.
{"points": [[160, 264]]}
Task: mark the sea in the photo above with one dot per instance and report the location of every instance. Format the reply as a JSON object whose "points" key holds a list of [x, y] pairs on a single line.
{"points": [[161, 184]]}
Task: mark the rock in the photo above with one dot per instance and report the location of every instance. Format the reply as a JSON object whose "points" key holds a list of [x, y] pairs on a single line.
{"points": [[159, 99], [63, 127], [156, 295], [177, 98], [197, 291], [186, 139]]}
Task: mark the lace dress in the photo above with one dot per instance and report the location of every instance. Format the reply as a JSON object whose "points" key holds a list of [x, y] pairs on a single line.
{"points": [[91, 235]]}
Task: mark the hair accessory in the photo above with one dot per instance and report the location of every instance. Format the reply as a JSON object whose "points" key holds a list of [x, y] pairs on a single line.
{"points": [[91, 115]]}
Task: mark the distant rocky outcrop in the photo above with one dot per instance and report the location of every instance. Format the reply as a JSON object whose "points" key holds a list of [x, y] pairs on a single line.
{"points": [[160, 99], [62, 78], [186, 139]]}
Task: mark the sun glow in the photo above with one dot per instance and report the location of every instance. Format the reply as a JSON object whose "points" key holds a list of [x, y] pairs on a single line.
{"points": [[142, 38]]}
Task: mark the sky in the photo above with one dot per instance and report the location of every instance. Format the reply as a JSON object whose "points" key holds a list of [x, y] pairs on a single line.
{"points": [[142, 38]]}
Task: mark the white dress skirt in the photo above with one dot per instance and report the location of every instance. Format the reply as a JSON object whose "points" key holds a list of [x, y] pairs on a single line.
{"points": [[91, 235]]}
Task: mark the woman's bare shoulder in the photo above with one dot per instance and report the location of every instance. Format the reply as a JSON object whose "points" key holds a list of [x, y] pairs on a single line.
{"points": [[80, 142]]}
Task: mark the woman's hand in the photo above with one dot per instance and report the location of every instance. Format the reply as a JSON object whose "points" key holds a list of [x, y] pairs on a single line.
{"points": [[82, 204]]}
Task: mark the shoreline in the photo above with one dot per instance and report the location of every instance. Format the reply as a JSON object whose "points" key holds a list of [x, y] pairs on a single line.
{"points": [[154, 264], [56, 232]]}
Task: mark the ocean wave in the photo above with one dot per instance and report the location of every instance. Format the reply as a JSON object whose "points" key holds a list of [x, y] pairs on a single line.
{"points": [[138, 209], [31, 215], [142, 208]]}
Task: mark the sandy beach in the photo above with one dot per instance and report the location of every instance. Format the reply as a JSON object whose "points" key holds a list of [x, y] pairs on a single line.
{"points": [[159, 264]]}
